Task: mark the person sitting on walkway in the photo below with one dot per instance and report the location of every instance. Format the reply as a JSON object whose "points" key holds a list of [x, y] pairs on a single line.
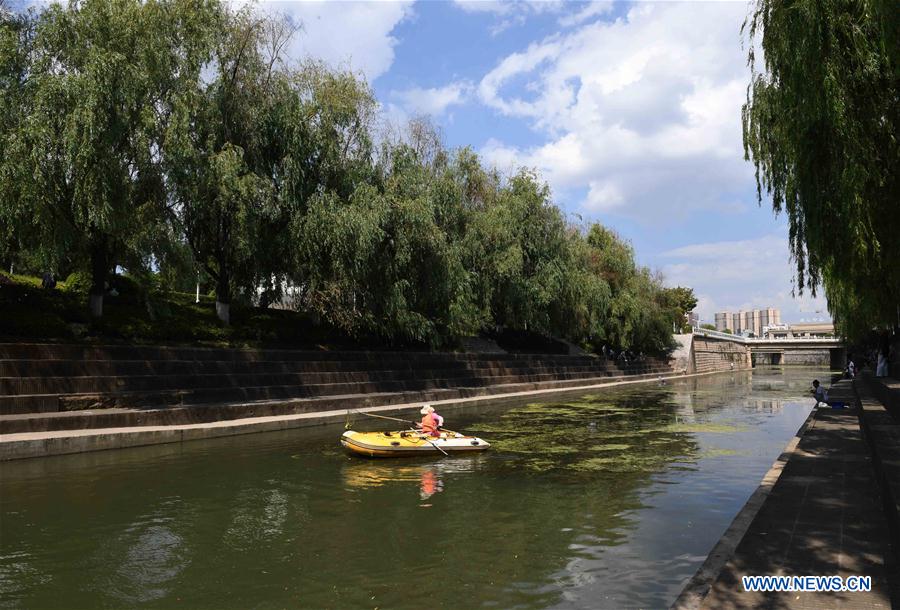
{"points": [[819, 393], [431, 422]]}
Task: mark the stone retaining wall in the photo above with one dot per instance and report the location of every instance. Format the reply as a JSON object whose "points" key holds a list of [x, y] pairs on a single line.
{"points": [[710, 355], [807, 357]]}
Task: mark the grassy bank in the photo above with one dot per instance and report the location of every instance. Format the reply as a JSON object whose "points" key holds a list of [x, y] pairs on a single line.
{"points": [[144, 315], [147, 315]]}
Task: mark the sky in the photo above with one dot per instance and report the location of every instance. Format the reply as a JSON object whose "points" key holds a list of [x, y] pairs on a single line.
{"points": [[629, 110]]}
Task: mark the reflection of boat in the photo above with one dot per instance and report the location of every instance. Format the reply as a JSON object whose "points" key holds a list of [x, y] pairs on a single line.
{"points": [[409, 443], [363, 474], [430, 484]]}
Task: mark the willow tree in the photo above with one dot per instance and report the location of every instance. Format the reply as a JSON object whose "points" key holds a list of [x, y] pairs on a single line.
{"points": [[16, 40], [821, 127], [250, 145], [220, 153], [387, 260], [79, 174]]}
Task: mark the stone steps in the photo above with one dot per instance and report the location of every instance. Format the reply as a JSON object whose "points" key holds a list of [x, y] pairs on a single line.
{"points": [[50, 351], [142, 385], [216, 390], [219, 411], [30, 367], [149, 382]]}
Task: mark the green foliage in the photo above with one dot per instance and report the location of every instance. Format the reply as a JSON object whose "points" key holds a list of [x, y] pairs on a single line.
{"points": [[708, 326], [28, 311], [680, 301], [80, 181], [78, 282], [169, 138], [821, 126]]}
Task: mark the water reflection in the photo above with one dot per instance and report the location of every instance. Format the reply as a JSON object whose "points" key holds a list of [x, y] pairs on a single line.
{"points": [[145, 558], [153, 559], [18, 576], [425, 473], [430, 484], [608, 500], [258, 515]]}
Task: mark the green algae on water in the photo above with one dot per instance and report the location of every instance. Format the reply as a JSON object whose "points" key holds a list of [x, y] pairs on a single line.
{"points": [[718, 452], [695, 427], [621, 463]]}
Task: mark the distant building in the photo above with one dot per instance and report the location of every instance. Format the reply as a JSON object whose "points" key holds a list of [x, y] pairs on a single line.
{"points": [[748, 322], [802, 329], [692, 319], [723, 321]]}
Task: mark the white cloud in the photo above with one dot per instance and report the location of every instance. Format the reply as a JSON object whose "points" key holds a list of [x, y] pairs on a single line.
{"points": [[433, 101], [759, 270], [507, 7], [641, 112], [496, 7], [510, 12], [354, 35], [589, 11]]}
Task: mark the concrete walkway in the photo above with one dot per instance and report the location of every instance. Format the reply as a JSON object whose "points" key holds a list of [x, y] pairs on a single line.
{"points": [[822, 515], [880, 402]]}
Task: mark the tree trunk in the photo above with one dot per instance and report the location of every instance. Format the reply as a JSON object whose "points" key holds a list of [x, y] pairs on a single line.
{"points": [[223, 297], [99, 268]]}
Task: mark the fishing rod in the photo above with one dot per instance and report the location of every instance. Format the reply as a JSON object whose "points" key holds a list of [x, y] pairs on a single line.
{"points": [[402, 421]]}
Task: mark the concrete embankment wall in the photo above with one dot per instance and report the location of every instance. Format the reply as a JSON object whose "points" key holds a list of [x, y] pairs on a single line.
{"points": [[807, 357], [62, 442], [797, 357], [68, 396], [711, 355]]}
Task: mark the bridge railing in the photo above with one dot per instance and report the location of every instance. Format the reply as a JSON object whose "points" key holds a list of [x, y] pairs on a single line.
{"points": [[703, 332], [797, 340]]}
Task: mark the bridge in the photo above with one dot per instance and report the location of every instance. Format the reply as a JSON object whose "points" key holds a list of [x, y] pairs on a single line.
{"points": [[829, 351]]}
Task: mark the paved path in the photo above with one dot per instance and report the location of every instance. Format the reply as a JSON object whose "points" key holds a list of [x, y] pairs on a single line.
{"points": [[823, 516]]}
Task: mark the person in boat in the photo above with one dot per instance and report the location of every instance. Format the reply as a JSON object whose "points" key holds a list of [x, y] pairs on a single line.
{"points": [[431, 422]]}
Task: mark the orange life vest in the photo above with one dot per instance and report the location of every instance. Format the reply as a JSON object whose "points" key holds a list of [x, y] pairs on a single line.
{"points": [[429, 425]]}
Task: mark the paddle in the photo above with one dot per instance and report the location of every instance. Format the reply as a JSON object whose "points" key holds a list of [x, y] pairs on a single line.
{"points": [[435, 446]]}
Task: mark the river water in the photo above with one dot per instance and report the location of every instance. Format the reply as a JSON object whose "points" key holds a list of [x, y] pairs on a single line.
{"points": [[609, 500]]}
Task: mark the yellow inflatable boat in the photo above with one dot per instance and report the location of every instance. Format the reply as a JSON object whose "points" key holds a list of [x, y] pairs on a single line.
{"points": [[409, 443]]}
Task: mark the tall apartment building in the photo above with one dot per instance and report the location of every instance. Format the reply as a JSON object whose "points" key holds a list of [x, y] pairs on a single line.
{"points": [[748, 321], [723, 321], [769, 317]]}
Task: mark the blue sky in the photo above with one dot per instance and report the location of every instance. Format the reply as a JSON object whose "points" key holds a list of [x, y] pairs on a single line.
{"points": [[630, 111]]}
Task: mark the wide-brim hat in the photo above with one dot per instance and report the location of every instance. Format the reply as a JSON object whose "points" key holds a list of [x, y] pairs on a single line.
{"points": [[426, 410]]}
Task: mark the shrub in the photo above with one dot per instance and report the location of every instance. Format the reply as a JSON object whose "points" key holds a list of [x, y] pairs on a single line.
{"points": [[79, 282]]}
